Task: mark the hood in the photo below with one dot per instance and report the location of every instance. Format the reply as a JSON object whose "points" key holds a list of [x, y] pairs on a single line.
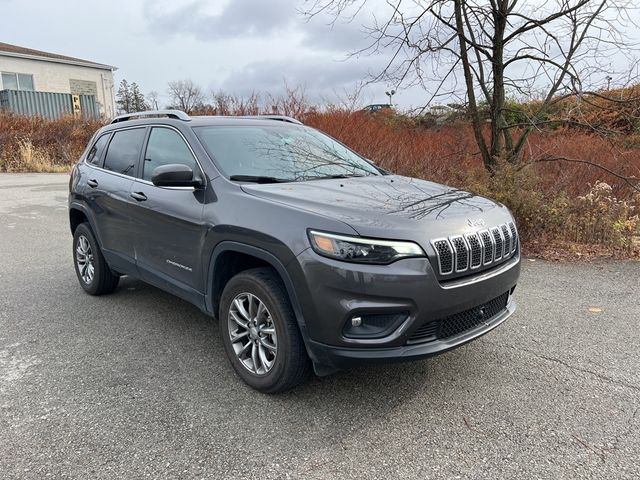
{"points": [[388, 206]]}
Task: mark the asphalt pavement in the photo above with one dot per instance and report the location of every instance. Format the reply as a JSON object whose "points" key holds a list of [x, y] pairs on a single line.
{"points": [[136, 384]]}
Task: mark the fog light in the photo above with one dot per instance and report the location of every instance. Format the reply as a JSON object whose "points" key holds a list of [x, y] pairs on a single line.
{"points": [[373, 325]]}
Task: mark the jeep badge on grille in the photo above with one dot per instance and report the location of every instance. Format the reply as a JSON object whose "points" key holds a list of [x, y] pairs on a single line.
{"points": [[475, 222]]}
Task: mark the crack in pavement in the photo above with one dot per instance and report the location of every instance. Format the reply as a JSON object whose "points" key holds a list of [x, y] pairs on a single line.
{"points": [[573, 368], [619, 438]]}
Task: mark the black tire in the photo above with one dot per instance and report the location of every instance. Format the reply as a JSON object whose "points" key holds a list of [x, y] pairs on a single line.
{"points": [[103, 280], [291, 365]]}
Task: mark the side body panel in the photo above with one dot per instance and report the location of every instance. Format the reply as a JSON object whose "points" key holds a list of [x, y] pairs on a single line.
{"points": [[104, 199], [169, 236]]}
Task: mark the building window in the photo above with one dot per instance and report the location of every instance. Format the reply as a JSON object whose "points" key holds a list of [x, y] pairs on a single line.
{"points": [[17, 81]]}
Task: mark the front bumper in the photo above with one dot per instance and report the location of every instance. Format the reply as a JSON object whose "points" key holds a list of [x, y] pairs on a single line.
{"points": [[329, 358], [332, 292]]}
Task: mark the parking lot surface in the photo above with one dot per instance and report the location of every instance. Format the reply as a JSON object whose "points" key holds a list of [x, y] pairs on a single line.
{"points": [[136, 384]]}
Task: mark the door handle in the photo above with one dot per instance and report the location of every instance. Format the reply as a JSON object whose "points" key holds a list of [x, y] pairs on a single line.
{"points": [[92, 183], [139, 196]]}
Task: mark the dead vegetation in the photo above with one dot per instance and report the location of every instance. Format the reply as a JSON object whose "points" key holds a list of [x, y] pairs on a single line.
{"points": [[574, 194], [34, 144]]}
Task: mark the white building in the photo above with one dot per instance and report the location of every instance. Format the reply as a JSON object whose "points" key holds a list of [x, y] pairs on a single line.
{"points": [[26, 69]]}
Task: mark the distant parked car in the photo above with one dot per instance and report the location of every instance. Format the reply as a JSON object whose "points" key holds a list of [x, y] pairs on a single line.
{"points": [[307, 253], [377, 107]]}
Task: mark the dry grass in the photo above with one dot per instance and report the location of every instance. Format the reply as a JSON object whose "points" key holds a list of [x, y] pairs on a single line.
{"points": [[34, 144], [36, 159]]}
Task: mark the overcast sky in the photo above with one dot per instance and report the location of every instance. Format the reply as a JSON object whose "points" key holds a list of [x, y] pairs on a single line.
{"points": [[237, 46]]}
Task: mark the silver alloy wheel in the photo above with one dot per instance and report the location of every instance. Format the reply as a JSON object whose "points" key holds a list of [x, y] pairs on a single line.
{"points": [[252, 333], [84, 259]]}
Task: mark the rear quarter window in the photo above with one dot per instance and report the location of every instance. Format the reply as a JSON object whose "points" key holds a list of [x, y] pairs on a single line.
{"points": [[94, 157]]}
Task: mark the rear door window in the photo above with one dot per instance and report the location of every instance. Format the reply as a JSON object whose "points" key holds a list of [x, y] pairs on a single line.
{"points": [[124, 151]]}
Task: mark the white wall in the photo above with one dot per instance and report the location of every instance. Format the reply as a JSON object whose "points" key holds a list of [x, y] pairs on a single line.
{"points": [[54, 77]]}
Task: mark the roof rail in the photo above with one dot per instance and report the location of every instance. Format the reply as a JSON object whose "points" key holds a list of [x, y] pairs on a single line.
{"points": [[176, 114], [281, 118]]}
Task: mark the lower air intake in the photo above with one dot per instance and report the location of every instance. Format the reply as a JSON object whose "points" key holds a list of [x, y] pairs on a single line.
{"points": [[460, 322]]}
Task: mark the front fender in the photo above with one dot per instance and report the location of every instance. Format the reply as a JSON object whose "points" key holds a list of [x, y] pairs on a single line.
{"points": [[226, 246]]}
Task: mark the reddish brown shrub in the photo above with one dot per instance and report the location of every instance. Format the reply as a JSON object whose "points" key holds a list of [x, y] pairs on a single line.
{"points": [[37, 144], [547, 198]]}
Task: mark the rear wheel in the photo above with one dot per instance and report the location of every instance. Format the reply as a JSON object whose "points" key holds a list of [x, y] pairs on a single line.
{"points": [[94, 275], [260, 332]]}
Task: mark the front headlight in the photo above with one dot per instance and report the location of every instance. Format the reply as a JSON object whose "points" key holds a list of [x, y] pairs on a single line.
{"points": [[362, 250]]}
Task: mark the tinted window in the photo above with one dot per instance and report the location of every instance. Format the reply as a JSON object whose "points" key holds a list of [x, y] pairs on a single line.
{"points": [[287, 152], [165, 147], [95, 154], [124, 150]]}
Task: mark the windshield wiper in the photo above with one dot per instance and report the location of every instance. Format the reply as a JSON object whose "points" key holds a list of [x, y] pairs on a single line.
{"points": [[258, 179], [341, 175]]}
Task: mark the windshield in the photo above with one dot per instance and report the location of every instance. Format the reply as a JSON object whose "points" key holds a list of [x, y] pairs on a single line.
{"points": [[283, 153]]}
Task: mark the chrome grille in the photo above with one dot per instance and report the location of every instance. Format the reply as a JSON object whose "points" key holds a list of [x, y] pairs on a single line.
{"points": [[487, 245], [458, 253], [514, 234], [506, 233], [499, 242], [475, 248], [462, 253], [445, 256]]}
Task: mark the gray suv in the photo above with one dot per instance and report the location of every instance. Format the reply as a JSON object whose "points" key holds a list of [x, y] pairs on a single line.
{"points": [[308, 254]]}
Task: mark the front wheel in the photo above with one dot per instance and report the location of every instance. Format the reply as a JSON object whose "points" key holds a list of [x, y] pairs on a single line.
{"points": [[260, 332], [94, 275]]}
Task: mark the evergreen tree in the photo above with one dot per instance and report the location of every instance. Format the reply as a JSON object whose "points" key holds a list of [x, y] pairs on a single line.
{"points": [[138, 102], [123, 97]]}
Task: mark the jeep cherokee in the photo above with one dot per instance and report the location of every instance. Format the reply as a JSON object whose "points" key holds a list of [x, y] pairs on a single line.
{"points": [[309, 255]]}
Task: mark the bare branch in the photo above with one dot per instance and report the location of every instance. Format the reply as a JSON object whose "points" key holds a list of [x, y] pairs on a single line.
{"points": [[483, 51], [185, 95], [632, 182]]}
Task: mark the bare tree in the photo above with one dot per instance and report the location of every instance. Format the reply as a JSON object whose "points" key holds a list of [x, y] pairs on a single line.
{"points": [[153, 99], [349, 100], [227, 104], [185, 95], [292, 102], [483, 51]]}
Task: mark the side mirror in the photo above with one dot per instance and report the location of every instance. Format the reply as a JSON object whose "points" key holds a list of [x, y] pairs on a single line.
{"points": [[175, 175]]}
